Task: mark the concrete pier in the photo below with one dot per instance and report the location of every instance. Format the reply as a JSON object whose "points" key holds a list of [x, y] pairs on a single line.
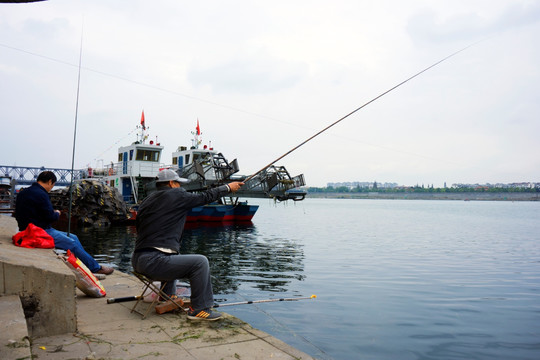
{"points": [[44, 316]]}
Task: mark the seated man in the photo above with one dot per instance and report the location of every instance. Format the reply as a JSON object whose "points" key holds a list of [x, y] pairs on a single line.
{"points": [[160, 222], [34, 206]]}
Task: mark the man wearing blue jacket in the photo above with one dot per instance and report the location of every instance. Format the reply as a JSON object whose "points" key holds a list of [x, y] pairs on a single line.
{"points": [[34, 206], [160, 223]]}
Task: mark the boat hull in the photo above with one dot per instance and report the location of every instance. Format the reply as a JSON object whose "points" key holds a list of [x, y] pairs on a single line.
{"points": [[215, 213], [220, 213]]}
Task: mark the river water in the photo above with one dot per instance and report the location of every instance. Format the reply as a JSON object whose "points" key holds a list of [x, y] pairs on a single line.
{"points": [[394, 279]]}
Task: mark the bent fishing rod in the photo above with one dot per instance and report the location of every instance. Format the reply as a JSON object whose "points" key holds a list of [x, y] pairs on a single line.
{"points": [[360, 108]]}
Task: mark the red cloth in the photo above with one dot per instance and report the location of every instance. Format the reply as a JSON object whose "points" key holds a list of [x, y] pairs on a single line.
{"points": [[33, 237]]}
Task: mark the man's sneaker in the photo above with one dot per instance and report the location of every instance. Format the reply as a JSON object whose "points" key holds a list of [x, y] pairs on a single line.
{"points": [[105, 270], [205, 314]]}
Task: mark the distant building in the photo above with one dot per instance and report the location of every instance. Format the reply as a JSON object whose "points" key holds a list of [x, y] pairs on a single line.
{"points": [[388, 185], [363, 185], [520, 185]]}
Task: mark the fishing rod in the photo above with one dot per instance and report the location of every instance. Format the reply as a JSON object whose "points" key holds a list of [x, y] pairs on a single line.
{"points": [[123, 299], [133, 298], [74, 137], [264, 301], [358, 109]]}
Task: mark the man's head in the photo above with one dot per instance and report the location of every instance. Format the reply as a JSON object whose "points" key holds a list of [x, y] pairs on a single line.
{"points": [[47, 179], [169, 178]]}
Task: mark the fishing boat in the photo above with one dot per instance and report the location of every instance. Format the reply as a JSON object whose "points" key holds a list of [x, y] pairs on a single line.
{"points": [[134, 173]]}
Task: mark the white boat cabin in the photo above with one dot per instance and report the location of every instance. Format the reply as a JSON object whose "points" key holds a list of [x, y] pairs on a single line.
{"points": [[184, 158], [135, 162], [139, 159]]}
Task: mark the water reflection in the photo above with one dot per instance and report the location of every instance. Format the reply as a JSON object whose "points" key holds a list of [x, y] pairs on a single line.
{"points": [[111, 245], [238, 254]]}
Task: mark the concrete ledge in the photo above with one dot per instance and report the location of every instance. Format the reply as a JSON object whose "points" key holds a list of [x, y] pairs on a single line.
{"points": [[112, 331], [45, 285], [46, 289], [14, 343]]}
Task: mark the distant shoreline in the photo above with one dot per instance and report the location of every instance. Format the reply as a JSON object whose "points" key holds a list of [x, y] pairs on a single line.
{"points": [[472, 196]]}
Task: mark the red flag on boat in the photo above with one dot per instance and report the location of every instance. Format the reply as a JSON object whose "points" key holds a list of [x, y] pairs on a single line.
{"points": [[198, 128], [142, 121]]}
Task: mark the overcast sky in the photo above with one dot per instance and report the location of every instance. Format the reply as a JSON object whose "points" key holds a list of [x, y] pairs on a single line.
{"points": [[262, 77]]}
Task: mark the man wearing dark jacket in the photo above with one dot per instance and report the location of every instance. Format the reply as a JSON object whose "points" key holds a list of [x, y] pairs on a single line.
{"points": [[160, 223], [34, 206]]}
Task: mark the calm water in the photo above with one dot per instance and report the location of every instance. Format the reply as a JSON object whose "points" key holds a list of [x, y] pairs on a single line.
{"points": [[394, 279]]}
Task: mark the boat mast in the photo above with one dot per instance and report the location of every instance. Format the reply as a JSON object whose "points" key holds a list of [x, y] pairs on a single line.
{"points": [[142, 134], [195, 142]]}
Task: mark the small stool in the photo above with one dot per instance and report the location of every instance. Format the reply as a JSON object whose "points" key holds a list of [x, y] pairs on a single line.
{"points": [[149, 284]]}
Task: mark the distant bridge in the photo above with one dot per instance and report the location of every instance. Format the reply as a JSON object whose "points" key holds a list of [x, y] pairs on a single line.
{"points": [[24, 175]]}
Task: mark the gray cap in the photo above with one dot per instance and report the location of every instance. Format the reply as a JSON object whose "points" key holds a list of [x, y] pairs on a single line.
{"points": [[167, 175]]}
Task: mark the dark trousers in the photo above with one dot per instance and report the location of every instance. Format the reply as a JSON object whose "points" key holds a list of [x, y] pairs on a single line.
{"points": [[160, 266]]}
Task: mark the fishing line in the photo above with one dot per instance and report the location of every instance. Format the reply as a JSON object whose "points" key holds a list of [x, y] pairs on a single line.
{"points": [[248, 112], [360, 108], [155, 87], [287, 328], [194, 98], [75, 135], [295, 334], [115, 143], [255, 302], [140, 83]]}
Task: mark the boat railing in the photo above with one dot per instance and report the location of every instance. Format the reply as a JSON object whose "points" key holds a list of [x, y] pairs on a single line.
{"points": [[275, 181], [7, 194], [212, 167], [103, 171], [223, 169], [144, 169]]}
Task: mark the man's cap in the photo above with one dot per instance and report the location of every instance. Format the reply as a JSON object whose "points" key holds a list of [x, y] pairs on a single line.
{"points": [[167, 175]]}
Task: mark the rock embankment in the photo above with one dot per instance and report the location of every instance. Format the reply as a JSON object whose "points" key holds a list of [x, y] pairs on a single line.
{"points": [[93, 203]]}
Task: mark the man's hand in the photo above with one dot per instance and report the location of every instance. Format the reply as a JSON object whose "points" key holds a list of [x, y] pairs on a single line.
{"points": [[234, 186], [57, 211]]}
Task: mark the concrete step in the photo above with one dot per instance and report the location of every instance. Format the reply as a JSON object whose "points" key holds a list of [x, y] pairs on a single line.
{"points": [[14, 340]]}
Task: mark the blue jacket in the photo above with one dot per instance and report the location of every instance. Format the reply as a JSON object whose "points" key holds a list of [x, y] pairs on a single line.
{"points": [[34, 206]]}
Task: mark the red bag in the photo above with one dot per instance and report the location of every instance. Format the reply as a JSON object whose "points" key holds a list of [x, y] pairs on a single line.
{"points": [[33, 237]]}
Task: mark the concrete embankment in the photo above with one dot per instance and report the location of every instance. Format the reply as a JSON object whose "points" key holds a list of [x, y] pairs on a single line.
{"points": [[44, 316], [469, 196]]}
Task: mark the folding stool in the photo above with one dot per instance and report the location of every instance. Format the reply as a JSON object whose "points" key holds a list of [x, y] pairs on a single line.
{"points": [[149, 284]]}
